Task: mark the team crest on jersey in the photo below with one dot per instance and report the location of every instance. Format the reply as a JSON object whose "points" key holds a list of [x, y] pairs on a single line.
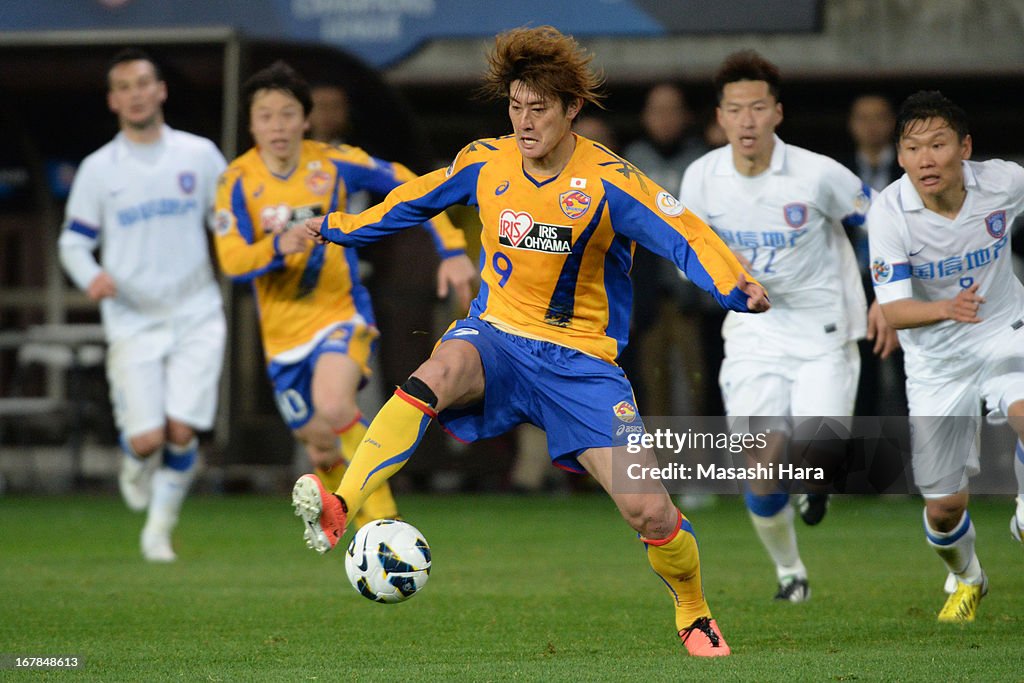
{"points": [[518, 230], [223, 222], [881, 272], [501, 189], [574, 203], [625, 411], [275, 219], [669, 205], [995, 223], [187, 182], [795, 214], [319, 182]]}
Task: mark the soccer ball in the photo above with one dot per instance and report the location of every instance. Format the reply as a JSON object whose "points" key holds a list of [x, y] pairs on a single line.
{"points": [[388, 561]]}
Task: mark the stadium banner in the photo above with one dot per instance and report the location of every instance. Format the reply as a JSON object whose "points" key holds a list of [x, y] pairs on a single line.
{"points": [[853, 455], [381, 32]]}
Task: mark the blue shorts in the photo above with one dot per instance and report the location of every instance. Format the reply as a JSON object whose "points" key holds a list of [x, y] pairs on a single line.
{"points": [[580, 401], [293, 382]]}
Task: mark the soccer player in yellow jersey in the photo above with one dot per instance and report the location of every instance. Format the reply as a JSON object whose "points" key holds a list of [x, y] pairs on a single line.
{"points": [[315, 315], [560, 217]]}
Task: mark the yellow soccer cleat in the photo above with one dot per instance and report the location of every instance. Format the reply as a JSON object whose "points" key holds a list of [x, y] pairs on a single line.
{"points": [[962, 606]]}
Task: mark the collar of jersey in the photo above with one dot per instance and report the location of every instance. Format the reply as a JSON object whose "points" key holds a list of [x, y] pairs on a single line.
{"points": [[727, 168], [542, 183]]}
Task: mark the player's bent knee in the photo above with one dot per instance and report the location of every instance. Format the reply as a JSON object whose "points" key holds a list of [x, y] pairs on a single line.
{"points": [[147, 443], [651, 516], [338, 413], [945, 513], [179, 433]]}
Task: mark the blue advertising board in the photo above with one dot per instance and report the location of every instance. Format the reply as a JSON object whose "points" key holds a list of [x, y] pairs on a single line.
{"points": [[382, 32]]}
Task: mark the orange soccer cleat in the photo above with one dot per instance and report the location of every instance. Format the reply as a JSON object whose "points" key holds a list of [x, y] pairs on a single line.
{"points": [[323, 513], [703, 639]]}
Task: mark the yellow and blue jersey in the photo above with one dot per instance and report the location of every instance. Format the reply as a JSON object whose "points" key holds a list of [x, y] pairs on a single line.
{"points": [[301, 295], [557, 251]]}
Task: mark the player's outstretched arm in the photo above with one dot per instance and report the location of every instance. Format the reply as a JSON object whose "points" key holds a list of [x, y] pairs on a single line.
{"points": [[908, 313], [408, 205]]}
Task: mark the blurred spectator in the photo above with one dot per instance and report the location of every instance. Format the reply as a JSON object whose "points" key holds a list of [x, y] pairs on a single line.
{"points": [[598, 129], [714, 134], [666, 359], [871, 123], [668, 144], [329, 120], [871, 126]]}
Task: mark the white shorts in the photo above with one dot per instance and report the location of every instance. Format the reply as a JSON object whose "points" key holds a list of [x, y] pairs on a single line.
{"points": [[945, 412], [790, 387], [169, 370]]}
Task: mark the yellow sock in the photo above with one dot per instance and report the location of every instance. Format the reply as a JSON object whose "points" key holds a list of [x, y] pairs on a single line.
{"points": [[389, 442], [676, 560], [381, 503], [331, 476]]}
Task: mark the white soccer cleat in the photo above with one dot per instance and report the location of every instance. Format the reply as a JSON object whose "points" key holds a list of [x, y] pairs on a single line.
{"points": [[156, 545], [323, 516], [136, 480], [793, 589], [1016, 529]]}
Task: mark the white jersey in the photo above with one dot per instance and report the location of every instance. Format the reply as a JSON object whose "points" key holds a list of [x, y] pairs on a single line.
{"points": [[146, 207], [916, 253], [786, 223]]}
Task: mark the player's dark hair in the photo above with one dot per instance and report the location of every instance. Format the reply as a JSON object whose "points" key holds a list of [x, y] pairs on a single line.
{"points": [[133, 54], [544, 60], [931, 104], [278, 76], [747, 65]]}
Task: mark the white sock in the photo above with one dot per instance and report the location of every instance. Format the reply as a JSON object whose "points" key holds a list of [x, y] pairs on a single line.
{"points": [[956, 548], [169, 489], [778, 536]]}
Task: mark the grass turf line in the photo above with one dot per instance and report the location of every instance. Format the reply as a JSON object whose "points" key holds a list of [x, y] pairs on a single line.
{"points": [[525, 589]]}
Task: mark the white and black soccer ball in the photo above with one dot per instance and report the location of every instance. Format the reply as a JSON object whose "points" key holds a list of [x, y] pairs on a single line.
{"points": [[388, 561]]}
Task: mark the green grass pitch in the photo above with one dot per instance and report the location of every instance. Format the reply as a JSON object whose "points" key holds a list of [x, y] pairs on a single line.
{"points": [[522, 589]]}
